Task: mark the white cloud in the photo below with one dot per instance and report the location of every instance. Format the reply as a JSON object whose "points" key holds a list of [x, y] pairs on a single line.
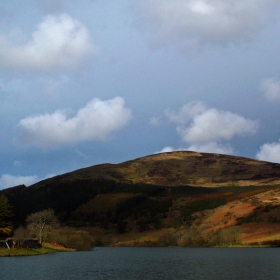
{"points": [[93, 122], [59, 42], [269, 152], [212, 147], [207, 129], [199, 125], [271, 88], [167, 150], [193, 22], [187, 112], [214, 125], [7, 181]]}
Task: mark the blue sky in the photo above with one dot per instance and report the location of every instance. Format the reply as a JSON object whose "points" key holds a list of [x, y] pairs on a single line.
{"points": [[89, 82]]}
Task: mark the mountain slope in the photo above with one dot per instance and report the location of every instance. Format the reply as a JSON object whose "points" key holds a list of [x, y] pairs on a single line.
{"points": [[151, 192]]}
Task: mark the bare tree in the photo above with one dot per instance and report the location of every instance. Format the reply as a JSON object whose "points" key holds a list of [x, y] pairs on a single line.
{"points": [[41, 223]]}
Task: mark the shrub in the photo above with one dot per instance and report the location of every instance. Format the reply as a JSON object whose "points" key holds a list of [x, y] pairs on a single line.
{"points": [[71, 238]]}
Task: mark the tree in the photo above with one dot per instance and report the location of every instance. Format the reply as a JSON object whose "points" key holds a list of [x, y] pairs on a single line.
{"points": [[6, 215], [42, 223]]}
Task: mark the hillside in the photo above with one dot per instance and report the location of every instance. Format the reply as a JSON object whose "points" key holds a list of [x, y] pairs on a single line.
{"points": [[179, 168], [155, 192], [254, 220]]}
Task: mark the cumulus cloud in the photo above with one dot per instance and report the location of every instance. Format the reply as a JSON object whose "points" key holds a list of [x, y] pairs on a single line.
{"points": [[193, 22], [271, 89], [187, 112], [214, 125], [269, 152], [209, 129], [168, 149], [7, 180], [212, 147], [59, 42], [93, 122], [198, 124]]}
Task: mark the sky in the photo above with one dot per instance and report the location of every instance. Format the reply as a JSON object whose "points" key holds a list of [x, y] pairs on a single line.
{"points": [[92, 81]]}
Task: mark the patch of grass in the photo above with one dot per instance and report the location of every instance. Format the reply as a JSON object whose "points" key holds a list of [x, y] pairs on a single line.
{"points": [[17, 252]]}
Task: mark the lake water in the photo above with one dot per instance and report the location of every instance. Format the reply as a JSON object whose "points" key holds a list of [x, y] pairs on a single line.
{"points": [[147, 263]]}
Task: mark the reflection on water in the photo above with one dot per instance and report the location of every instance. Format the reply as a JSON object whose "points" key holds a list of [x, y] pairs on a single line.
{"points": [[147, 263]]}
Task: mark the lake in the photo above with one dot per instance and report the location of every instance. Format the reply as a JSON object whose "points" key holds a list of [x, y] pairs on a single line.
{"points": [[147, 263]]}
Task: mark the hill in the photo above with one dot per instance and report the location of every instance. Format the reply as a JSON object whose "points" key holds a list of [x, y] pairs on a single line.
{"points": [[150, 193], [180, 168]]}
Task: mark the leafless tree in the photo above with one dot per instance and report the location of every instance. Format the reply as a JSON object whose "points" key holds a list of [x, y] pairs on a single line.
{"points": [[41, 223]]}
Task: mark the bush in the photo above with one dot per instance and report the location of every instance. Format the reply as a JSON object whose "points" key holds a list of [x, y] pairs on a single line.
{"points": [[71, 238], [226, 236]]}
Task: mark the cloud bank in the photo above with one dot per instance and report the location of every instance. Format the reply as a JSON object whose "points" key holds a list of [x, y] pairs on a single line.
{"points": [[59, 42], [195, 22], [93, 122]]}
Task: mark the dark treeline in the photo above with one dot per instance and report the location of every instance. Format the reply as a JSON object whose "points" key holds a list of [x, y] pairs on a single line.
{"points": [[63, 197]]}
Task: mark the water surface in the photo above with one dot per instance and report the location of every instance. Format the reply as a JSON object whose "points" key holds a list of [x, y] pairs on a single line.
{"points": [[147, 263]]}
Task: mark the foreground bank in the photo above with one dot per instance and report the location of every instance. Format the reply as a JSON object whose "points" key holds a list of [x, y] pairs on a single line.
{"points": [[46, 249]]}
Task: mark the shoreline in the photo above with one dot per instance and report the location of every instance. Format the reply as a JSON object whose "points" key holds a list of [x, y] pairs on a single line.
{"points": [[22, 252], [48, 250]]}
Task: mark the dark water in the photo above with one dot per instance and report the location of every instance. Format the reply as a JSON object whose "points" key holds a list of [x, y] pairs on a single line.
{"points": [[147, 263]]}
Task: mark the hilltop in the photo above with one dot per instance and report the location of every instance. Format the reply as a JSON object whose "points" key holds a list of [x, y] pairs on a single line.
{"points": [[153, 193]]}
